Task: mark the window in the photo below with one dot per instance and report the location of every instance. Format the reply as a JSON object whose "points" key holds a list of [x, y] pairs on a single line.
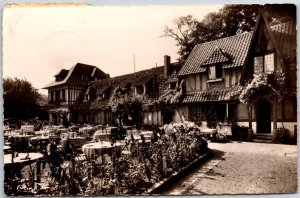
{"points": [[57, 96], [264, 63], [215, 72], [63, 95], [198, 112], [225, 112], [109, 117], [172, 85], [139, 89], [52, 96], [269, 63]]}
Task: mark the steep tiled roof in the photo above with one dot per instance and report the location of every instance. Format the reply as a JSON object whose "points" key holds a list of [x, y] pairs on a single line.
{"points": [[206, 96], [79, 68], [99, 104], [236, 47], [137, 78], [285, 36]]}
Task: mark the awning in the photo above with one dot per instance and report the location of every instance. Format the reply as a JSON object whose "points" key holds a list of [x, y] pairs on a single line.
{"points": [[206, 96]]}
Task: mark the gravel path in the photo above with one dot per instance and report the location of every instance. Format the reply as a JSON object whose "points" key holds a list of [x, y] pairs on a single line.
{"points": [[243, 168]]}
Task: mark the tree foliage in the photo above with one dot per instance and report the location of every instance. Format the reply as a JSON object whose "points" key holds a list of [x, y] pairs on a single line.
{"points": [[228, 21], [123, 103], [21, 99]]}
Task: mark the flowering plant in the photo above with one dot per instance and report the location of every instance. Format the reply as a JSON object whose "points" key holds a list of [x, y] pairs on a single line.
{"points": [[263, 84], [281, 134], [171, 96]]}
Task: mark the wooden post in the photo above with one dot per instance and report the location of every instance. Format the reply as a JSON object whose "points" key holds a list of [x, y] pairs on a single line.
{"points": [[250, 130], [275, 100], [249, 107]]}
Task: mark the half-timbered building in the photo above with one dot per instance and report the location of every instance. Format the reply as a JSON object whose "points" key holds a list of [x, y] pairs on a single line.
{"points": [[67, 86], [214, 69]]}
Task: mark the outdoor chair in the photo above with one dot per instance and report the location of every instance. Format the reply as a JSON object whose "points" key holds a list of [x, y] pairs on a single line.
{"points": [[221, 133]]}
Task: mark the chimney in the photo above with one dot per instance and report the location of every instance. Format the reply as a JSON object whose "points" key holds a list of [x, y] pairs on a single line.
{"points": [[167, 62]]}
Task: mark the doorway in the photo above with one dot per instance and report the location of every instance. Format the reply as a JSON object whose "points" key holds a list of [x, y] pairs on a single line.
{"points": [[263, 116], [167, 117]]}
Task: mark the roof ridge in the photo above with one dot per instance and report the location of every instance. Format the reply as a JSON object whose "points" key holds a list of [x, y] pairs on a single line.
{"points": [[208, 42]]}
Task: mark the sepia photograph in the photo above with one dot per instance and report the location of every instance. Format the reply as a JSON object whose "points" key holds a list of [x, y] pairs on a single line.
{"points": [[126, 100]]}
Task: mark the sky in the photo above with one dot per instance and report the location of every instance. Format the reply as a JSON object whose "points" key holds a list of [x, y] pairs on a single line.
{"points": [[39, 41]]}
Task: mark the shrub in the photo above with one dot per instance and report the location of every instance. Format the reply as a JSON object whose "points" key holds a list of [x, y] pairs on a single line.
{"points": [[281, 135], [239, 133]]}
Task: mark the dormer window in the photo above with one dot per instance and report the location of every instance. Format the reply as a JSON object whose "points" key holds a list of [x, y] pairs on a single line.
{"points": [[214, 72], [139, 89], [264, 63], [86, 97]]}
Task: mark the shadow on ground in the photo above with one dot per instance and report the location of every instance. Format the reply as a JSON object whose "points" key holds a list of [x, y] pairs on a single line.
{"points": [[217, 155]]}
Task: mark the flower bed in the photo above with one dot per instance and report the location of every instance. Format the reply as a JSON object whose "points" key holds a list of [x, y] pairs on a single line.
{"points": [[136, 167]]}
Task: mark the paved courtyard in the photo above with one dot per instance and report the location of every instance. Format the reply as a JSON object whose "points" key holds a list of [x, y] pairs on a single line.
{"points": [[242, 168]]}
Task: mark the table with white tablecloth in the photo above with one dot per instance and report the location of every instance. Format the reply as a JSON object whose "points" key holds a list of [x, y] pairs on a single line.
{"points": [[86, 131], [133, 132], [98, 148], [27, 128], [101, 135]]}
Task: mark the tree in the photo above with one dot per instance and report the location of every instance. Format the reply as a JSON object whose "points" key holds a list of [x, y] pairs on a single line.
{"points": [[21, 99], [182, 32], [123, 103], [228, 21]]}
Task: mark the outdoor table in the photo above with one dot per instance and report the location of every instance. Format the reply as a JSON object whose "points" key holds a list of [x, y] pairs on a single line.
{"points": [[98, 127], [132, 132], [72, 134], [19, 162], [77, 141], [60, 131], [11, 133], [111, 130], [19, 137], [6, 149], [101, 136], [27, 128], [41, 132], [85, 130], [64, 135], [98, 148], [147, 134]]}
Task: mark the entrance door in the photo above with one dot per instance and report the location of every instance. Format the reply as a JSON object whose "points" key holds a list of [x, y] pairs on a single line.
{"points": [[167, 117], [263, 116]]}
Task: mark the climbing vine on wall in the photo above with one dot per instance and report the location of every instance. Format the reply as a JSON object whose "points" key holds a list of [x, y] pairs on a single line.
{"points": [[171, 96], [261, 84]]}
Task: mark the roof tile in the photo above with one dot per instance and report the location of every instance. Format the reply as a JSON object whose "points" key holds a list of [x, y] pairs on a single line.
{"points": [[206, 96], [236, 47]]}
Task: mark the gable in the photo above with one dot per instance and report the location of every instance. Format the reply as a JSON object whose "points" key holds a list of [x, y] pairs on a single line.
{"points": [[218, 56]]}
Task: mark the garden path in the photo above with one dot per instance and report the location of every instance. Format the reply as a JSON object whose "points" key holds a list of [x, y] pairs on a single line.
{"points": [[242, 168]]}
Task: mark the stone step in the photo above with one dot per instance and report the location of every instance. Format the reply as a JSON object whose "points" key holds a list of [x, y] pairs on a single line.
{"points": [[262, 140], [263, 136]]}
